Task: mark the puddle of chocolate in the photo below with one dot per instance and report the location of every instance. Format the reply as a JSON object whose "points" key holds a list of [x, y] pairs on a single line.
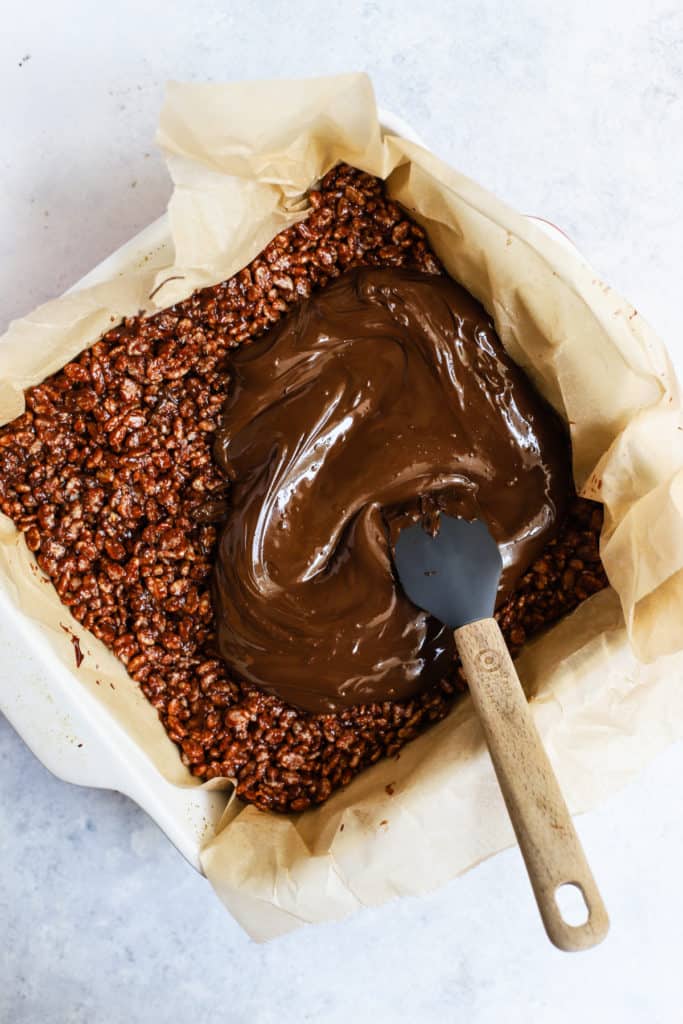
{"points": [[386, 398]]}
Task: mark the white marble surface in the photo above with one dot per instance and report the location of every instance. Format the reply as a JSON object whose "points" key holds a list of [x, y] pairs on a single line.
{"points": [[570, 111]]}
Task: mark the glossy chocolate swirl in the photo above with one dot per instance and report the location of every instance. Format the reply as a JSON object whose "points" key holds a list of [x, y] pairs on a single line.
{"points": [[385, 397]]}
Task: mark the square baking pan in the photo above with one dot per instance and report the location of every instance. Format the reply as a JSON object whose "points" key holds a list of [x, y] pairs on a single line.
{"points": [[75, 736]]}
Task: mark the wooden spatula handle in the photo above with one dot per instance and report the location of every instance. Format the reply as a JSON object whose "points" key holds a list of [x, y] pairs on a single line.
{"points": [[551, 848]]}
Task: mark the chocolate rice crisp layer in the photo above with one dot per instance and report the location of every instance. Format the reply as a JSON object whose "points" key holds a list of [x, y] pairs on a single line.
{"points": [[110, 475]]}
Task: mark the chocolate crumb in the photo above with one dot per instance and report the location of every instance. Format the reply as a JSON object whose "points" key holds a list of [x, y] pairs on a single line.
{"points": [[77, 651]]}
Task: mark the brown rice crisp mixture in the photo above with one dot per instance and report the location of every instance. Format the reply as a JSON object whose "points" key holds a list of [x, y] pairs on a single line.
{"points": [[110, 475]]}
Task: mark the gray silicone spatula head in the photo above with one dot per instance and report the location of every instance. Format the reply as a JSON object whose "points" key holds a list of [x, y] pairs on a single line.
{"points": [[454, 576]]}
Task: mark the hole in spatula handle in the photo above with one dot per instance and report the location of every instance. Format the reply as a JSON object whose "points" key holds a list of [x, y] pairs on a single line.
{"points": [[572, 904]]}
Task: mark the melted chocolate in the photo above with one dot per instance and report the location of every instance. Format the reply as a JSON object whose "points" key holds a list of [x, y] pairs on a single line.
{"points": [[384, 398]]}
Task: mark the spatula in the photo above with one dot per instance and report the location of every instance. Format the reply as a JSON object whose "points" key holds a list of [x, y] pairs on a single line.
{"points": [[454, 575]]}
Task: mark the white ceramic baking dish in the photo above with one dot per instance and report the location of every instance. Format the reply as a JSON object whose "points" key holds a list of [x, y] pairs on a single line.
{"points": [[74, 735]]}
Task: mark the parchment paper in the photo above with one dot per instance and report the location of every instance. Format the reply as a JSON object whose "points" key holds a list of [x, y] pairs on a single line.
{"points": [[606, 683]]}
